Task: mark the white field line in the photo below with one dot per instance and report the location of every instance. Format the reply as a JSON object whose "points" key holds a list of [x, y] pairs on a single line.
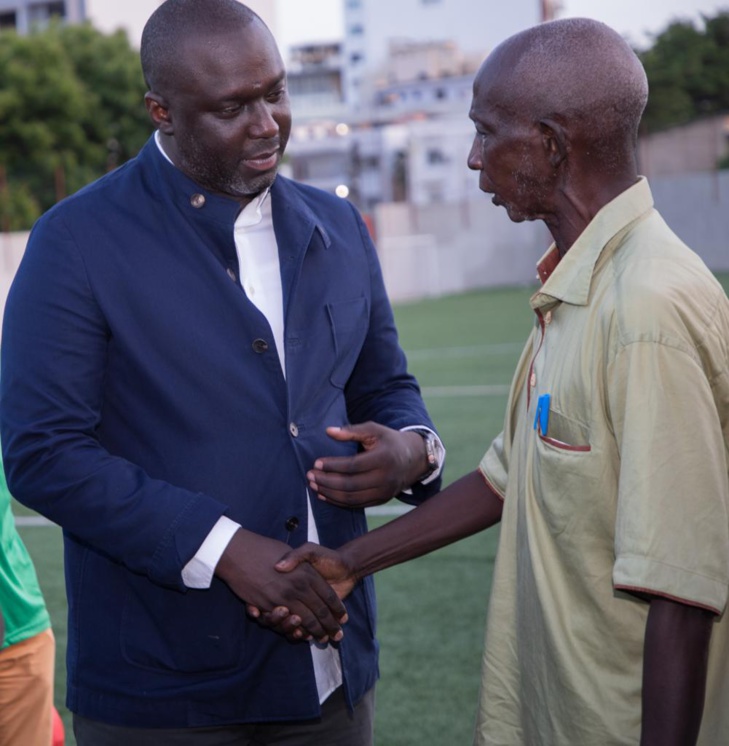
{"points": [[394, 509], [504, 348], [444, 392], [32, 520]]}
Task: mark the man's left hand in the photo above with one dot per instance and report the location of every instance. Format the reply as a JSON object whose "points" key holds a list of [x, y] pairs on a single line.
{"points": [[391, 461]]}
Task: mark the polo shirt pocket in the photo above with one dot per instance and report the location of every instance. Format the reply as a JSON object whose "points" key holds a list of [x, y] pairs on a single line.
{"points": [[349, 322], [565, 434], [566, 472]]}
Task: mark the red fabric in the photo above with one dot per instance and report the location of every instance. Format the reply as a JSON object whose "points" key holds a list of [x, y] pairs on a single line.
{"points": [[59, 734]]}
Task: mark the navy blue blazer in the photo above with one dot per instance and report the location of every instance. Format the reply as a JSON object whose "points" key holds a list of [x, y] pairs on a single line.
{"points": [[138, 405]]}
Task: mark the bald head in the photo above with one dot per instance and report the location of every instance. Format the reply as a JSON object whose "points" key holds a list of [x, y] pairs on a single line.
{"points": [[575, 71], [174, 22]]}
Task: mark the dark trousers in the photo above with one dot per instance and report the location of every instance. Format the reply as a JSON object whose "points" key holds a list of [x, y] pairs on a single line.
{"points": [[336, 727]]}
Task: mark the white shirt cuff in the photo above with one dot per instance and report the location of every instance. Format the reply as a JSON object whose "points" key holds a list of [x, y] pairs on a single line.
{"points": [[198, 572]]}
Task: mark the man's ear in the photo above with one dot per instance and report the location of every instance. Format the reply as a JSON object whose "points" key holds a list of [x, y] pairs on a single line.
{"points": [[554, 140], [159, 112]]}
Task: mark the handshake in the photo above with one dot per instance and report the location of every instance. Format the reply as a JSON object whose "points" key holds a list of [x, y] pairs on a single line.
{"points": [[299, 592], [336, 569]]}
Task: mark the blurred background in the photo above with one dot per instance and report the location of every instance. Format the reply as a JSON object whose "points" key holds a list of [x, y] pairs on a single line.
{"points": [[380, 94]]}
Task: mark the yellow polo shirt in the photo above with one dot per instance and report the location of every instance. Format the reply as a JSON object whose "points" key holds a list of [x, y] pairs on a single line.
{"points": [[625, 486]]}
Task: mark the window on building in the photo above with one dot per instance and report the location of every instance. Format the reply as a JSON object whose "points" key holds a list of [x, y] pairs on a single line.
{"points": [[8, 20], [39, 14], [356, 30], [356, 57], [430, 2], [435, 156], [354, 3]]}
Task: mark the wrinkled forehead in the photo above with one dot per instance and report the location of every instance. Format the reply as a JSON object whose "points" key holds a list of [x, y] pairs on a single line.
{"points": [[492, 94], [499, 90]]}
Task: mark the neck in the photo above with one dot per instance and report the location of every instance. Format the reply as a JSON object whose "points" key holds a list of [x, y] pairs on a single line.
{"points": [[578, 203]]}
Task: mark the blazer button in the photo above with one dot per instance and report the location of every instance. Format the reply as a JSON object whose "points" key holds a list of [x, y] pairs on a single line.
{"points": [[197, 200], [292, 523], [231, 274], [294, 430], [260, 345]]}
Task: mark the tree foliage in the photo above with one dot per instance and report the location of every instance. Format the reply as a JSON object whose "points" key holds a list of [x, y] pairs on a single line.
{"points": [[71, 108], [688, 72]]}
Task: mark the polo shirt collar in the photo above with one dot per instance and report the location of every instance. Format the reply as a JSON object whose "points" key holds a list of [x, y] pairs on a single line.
{"points": [[569, 279]]}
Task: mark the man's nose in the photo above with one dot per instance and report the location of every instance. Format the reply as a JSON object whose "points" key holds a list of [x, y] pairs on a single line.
{"points": [[474, 157], [263, 124]]}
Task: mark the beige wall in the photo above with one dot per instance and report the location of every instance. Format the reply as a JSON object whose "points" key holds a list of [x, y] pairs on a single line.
{"points": [[695, 147], [444, 249], [12, 246]]}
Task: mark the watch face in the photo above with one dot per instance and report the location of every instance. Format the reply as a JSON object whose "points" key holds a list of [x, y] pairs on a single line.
{"points": [[430, 451]]}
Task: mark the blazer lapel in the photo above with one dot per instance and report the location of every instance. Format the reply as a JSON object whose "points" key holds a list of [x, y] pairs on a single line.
{"points": [[296, 228]]}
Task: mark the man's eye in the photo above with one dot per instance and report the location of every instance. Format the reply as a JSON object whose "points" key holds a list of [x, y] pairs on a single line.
{"points": [[232, 109], [276, 95]]}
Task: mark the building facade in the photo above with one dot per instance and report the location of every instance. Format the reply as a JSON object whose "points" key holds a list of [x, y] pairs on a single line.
{"points": [[370, 26], [26, 15]]}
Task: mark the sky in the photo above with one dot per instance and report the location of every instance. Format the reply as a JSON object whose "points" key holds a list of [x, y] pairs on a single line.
{"points": [[301, 21]]}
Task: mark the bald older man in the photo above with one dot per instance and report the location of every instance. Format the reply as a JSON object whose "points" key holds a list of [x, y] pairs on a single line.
{"points": [[610, 477]]}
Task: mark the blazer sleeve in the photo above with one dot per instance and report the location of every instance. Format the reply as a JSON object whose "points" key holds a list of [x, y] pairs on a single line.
{"points": [[54, 349]]}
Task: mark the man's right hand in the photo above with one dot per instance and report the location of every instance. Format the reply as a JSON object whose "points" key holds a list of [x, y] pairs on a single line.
{"points": [[247, 566], [332, 565]]}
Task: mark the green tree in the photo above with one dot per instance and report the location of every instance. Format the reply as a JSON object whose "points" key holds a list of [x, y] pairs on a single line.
{"points": [[71, 108], [111, 74], [688, 72]]}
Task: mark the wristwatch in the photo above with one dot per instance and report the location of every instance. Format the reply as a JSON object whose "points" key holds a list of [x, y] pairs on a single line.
{"points": [[432, 452]]}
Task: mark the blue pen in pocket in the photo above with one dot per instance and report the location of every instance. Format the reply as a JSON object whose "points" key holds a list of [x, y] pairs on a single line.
{"points": [[541, 417]]}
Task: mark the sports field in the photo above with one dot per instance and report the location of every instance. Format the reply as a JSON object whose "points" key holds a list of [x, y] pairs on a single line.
{"points": [[463, 350]]}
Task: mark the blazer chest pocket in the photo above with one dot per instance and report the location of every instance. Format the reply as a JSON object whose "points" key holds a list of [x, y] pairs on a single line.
{"points": [[349, 322]]}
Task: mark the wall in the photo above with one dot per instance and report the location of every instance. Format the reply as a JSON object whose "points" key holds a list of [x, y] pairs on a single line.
{"points": [[696, 206], [688, 149], [442, 249], [12, 246]]}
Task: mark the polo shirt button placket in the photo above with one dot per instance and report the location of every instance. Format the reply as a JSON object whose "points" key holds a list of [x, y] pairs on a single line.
{"points": [[197, 201], [293, 429]]}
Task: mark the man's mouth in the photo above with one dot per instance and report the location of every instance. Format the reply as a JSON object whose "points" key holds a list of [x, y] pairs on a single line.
{"points": [[262, 161]]}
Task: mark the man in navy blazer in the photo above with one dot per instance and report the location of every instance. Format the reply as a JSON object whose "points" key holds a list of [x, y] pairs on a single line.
{"points": [[179, 337]]}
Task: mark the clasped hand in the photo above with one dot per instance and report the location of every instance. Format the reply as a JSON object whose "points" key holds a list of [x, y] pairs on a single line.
{"points": [[332, 566], [300, 595]]}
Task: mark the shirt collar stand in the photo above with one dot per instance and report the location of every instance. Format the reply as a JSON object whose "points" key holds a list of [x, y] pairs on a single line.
{"points": [[569, 279]]}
